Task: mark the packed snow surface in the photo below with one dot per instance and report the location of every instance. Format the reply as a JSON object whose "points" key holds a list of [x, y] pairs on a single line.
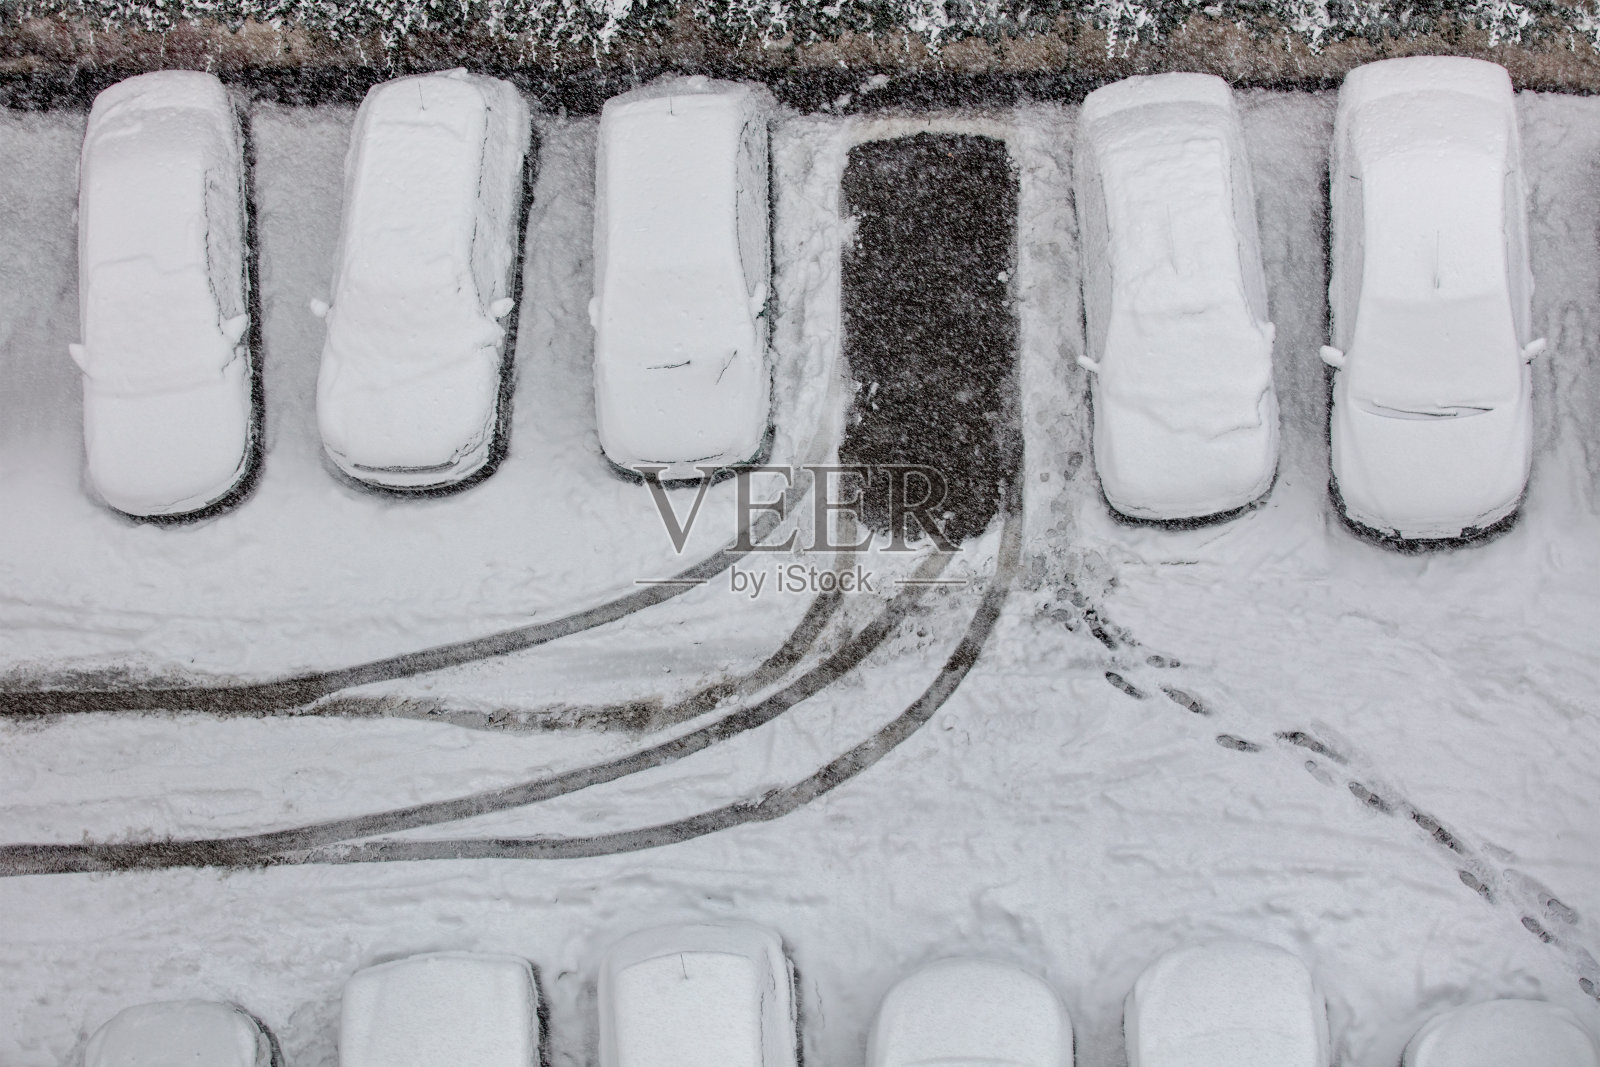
{"points": [[409, 388], [179, 1033], [1503, 1033], [968, 1011], [167, 416], [1185, 414], [445, 1009], [695, 995], [1226, 1004], [681, 276], [1431, 424]]}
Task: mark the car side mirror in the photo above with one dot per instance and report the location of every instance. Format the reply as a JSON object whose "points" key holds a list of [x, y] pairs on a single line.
{"points": [[79, 356], [234, 328], [319, 308], [1533, 348], [1092, 366], [1333, 357], [501, 308]]}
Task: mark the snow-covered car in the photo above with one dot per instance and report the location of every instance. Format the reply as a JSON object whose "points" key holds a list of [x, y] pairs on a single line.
{"points": [[1175, 301], [413, 392], [683, 996], [195, 1033], [1503, 1033], [442, 1009], [1226, 1004], [682, 265], [171, 404], [1431, 423], [965, 1011]]}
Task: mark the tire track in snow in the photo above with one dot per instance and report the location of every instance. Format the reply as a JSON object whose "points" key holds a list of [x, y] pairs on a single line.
{"points": [[1482, 869], [296, 694], [251, 850], [764, 808], [969, 250], [642, 715]]}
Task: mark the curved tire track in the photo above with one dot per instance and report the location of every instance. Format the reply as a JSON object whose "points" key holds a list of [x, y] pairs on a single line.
{"points": [[247, 850], [291, 694], [765, 808], [624, 714]]}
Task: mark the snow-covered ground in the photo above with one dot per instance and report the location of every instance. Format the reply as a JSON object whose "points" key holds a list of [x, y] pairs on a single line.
{"points": [[1395, 775]]}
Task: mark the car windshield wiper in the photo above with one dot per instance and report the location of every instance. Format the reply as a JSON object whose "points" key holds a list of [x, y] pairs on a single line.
{"points": [[1439, 411]]}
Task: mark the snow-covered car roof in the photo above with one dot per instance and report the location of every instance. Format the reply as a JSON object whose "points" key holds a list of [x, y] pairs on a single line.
{"points": [[1226, 1004], [443, 1009], [410, 213], [963, 1011], [198, 1032], [685, 996], [1502, 1033], [1165, 149], [151, 320], [1432, 157]]}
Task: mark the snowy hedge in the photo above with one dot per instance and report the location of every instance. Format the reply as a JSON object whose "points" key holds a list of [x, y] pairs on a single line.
{"points": [[603, 24]]}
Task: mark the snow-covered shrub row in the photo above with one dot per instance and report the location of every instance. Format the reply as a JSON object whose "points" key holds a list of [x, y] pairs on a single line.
{"points": [[602, 24]]}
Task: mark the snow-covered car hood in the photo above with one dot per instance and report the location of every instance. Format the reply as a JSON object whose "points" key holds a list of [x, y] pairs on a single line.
{"points": [[1499, 1033], [178, 1031], [441, 1010], [708, 993], [971, 1012], [1201, 374], [1430, 476], [1227, 1004]]}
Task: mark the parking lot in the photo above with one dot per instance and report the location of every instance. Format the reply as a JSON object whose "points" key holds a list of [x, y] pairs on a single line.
{"points": [[1268, 728]]}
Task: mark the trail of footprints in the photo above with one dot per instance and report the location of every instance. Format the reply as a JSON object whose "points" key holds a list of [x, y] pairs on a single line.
{"points": [[1543, 914]]}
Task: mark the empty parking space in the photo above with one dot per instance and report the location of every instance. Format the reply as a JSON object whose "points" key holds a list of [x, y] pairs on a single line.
{"points": [[929, 334]]}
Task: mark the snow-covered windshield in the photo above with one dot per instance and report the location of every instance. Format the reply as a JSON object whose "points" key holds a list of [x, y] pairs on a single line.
{"points": [[373, 324], [1444, 356], [150, 328], [665, 318]]}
